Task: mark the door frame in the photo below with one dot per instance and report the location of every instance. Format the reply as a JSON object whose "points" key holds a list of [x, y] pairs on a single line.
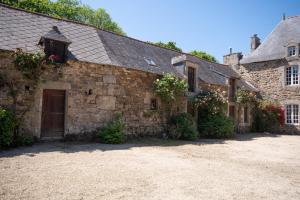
{"points": [[65, 110], [36, 113]]}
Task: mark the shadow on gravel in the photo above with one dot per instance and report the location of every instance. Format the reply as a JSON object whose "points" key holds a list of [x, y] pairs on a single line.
{"points": [[74, 147]]}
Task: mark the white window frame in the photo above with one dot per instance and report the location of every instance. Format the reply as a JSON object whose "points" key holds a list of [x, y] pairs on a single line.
{"points": [[292, 51], [292, 75], [294, 112]]}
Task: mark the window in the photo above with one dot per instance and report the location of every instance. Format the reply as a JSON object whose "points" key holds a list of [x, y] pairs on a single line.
{"points": [[231, 88], [291, 51], [150, 62], [292, 77], [246, 119], [55, 50], [153, 104], [191, 79], [292, 114]]}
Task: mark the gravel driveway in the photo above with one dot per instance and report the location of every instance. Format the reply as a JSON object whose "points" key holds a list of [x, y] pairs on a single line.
{"points": [[249, 167]]}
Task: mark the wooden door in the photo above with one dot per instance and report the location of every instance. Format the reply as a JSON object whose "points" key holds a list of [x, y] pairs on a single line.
{"points": [[53, 113]]}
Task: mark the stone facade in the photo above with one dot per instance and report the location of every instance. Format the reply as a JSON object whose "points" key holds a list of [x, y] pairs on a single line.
{"points": [[94, 93], [269, 78]]}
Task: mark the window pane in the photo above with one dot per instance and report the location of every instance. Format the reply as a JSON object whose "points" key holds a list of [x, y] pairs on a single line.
{"points": [[295, 114], [291, 51], [295, 75]]}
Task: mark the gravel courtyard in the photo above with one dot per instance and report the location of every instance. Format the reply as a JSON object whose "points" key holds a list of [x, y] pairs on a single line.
{"points": [[249, 167]]}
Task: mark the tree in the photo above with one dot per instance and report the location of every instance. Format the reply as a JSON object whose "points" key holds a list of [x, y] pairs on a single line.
{"points": [[69, 9], [204, 55], [168, 45]]}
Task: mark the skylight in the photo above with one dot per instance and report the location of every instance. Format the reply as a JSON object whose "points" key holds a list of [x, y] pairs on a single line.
{"points": [[150, 62]]}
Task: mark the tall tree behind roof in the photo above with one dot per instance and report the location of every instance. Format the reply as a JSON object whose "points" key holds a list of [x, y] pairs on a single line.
{"points": [[168, 45], [69, 9], [204, 55]]}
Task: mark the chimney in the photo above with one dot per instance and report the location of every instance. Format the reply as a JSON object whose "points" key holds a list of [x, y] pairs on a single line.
{"points": [[232, 59], [255, 42]]}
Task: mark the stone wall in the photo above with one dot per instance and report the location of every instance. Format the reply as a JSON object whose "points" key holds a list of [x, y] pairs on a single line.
{"points": [[94, 93], [269, 78]]}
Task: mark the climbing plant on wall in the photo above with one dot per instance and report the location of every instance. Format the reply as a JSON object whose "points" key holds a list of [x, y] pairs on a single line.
{"points": [[170, 89], [29, 64]]}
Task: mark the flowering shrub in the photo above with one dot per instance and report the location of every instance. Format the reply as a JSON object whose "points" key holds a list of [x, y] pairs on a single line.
{"points": [[244, 97], [170, 89], [54, 58], [211, 102], [212, 121], [268, 116]]}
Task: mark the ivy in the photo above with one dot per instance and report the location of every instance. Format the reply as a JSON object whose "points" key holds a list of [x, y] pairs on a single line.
{"points": [[28, 64]]}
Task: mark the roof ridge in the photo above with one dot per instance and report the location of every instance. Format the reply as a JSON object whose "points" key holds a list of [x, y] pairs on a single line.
{"points": [[294, 16], [93, 26]]}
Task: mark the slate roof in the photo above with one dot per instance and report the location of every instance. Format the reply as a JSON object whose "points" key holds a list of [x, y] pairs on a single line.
{"points": [[24, 29], [55, 34], [275, 46]]}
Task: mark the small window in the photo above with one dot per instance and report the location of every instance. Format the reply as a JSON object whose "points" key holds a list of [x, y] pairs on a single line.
{"points": [[153, 104], [55, 50], [292, 114], [232, 89], [291, 51], [150, 62], [292, 75], [191, 79], [246, 119]]}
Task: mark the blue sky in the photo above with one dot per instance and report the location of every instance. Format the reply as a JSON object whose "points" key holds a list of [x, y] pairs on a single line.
{"points": [[211, 26]]}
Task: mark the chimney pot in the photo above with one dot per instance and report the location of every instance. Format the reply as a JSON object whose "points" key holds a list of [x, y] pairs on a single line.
{"points": [[255, 42]]}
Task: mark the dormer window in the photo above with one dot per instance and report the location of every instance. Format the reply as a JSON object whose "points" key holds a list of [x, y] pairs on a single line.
{"points": [[55, 45], [291, 51], [55, 51]]}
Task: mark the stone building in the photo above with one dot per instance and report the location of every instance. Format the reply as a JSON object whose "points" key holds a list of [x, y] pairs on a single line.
{"points": [[99, 74], [273, 68]]}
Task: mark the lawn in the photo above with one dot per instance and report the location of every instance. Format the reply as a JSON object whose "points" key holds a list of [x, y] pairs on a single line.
{"points": [[250, 167]]}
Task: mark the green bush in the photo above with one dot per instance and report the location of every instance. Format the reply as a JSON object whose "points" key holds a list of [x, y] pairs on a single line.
{"points": [[183, 127], [8, 127], [217, 126], [113, 132], [23, 140]]}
